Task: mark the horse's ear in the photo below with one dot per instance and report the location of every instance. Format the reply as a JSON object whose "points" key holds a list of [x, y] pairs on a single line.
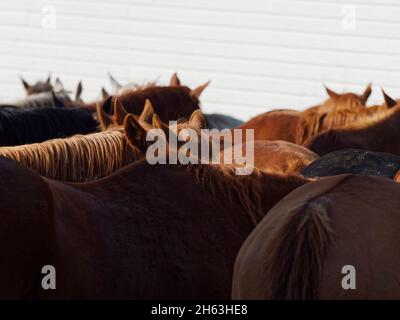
{"points": [[78, 93], [107, 105], [198, 91], [56, 101], [367, 92], [331, 93], [104, 93], [48, 79], [397, 176], [390, 102], [197, 120], [174, 82], [25, 84], [58, 86], [158, 124], [148, 112], [120, 112], [103, 117], [114, 82], [135, 133]]}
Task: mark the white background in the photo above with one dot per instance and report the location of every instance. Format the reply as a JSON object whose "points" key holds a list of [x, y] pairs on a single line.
{"points": [[259, 54]]}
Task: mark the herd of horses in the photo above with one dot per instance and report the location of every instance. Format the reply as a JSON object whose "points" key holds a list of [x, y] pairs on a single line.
{"points": [[78, 193]]}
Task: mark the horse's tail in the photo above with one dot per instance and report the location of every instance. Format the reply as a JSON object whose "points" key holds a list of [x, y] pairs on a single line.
{"points": [[296, 252]]}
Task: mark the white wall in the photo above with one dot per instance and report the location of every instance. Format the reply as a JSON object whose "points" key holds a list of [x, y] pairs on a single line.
{"points": [[259, 54]]}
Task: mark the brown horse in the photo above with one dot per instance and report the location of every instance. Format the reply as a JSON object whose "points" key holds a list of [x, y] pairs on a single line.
{"points": [[311, 123], [342, 101], [300, 249], [274, 125], [283, 124], [280, 157], [170, 103], [113, 238], [375, 133], [89, 157]]}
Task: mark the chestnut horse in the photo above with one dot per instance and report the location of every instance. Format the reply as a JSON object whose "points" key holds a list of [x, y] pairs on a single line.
{"points": [[354, 161], [311, 123], [307, 243], [89, 157], [283, 124], [378, 132], [280, 157], [113, 238]]}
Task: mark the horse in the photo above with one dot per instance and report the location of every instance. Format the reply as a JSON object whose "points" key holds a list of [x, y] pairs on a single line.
{"points": [[311, 123], [274, 125], [83, 158], [353, 161], [308, 242], [342, 101], [170, 103], [43, 100], [91, 232], [375, 133], [23, 126], [280, 157], [118, 88], [284, 124], [38, 87]]}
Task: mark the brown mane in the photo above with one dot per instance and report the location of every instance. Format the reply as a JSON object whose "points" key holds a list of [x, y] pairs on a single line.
{"points": [[312, 123], [221, 180], [78, 158], [248, 189], [368, 120]]}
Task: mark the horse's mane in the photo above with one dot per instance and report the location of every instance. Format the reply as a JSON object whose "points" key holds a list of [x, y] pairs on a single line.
{"points": [[43, 100], [134, 86], [23, 126], [222, 180], [368, 120], [312, 123], [76, 159]]}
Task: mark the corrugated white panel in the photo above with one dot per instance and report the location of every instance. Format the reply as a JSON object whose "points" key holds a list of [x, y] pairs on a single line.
{"points": [[259, 54]]}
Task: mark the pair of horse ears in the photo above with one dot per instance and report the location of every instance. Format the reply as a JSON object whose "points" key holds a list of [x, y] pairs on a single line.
{"points": [[364, 96], [120, 112], [136, 133], [176, 82], [27, 86]]}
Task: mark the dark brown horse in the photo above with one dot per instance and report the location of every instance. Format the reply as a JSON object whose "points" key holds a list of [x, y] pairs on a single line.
{"points": [[378, 132], [308, 244], [113, 238], [170, 103]]}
